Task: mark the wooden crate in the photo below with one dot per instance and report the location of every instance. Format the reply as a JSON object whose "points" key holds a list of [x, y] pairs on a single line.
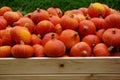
{"points": [[64, 68]]}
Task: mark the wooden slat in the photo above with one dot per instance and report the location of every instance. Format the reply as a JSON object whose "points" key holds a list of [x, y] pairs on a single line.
{"points": [[60, 65], [62, 77]]}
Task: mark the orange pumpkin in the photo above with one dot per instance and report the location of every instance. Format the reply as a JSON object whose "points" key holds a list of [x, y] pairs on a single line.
{"points": [[111, 37], [25, 22], [3, 23], [38, 50], [11, 17], [19, 33], [54, 48], [69, 38], [35, 39], [44, 27], [80, 49], [4, 9], [39, 15], [5, 51], [22, 50], [101, 50], [69, 22]]}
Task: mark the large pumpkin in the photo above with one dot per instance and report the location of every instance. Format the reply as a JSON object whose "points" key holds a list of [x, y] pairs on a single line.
{"points": [[39, 15], [69, 38], [25, 22], [44, 27], [54, 48], [113, 20], [19, 33], [86, 27], [69, 22], [111, 37], [96, 10]]}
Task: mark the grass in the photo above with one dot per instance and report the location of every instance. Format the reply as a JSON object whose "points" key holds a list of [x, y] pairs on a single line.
{"points": [[30, 5]]}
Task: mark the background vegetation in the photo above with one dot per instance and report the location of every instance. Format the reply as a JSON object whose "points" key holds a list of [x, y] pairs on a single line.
{"points": [[30, 5]]}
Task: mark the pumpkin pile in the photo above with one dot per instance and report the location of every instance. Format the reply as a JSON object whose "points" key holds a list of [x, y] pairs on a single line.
{"points": [[83, 32]]}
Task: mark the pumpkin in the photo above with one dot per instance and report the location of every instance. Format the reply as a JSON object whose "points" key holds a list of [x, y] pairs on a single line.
{"points": [[44, 27], [113, 21], [101, 50], [69, 22], [96, 10], [48, 37], [19, 33], [54, 11], [99, 23], [5, 51], [58, 29], [25, 22], [111, 37], [6, 37], [35, 39], [80, 49], [84, 10], [69, 38], [3, 23], [99, 34], [86, 27], [11, 17], [39, 15], [22, 50], [54, 48], [38, 50], [4, 9], [55, 19], [91, 40]]}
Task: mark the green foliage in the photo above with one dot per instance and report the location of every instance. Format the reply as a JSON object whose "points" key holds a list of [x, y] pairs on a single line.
{"points": [[30, 5]]}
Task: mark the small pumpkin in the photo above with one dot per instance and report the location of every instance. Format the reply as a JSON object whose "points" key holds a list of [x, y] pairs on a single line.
{"points": [[35, 39], [38, 50], [5, 51]]}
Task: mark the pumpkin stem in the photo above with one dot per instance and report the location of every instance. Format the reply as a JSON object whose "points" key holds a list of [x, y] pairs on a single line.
{"points": [[38, 9], [39, 35], [84, 53], [85, 28], [100, 16], [27, 25], [72, 16], [53, 36], [29, 16], [22, 42], [113, 31], [110, 48], [76, 34], [93, 45]]}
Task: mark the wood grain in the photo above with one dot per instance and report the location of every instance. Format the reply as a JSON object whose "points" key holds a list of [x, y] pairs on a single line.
{"points": [[73, 65]]}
